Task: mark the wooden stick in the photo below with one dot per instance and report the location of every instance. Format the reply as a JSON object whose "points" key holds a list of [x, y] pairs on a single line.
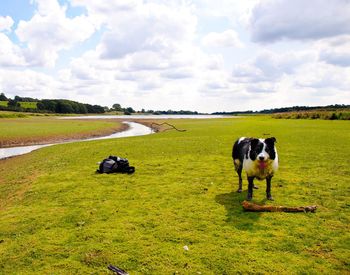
{"points": [[252, 207], [117, 270], [166, 123]]}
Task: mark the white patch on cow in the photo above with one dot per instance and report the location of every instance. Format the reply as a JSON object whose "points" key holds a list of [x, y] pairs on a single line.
{"points": [[242, 138], [263, 154], [275, 162]]}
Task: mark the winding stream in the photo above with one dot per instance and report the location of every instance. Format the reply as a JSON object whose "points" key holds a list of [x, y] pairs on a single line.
{"points": [[135, 129]]}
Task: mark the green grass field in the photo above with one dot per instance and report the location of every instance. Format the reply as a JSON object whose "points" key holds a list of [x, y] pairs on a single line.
{"points": [[59, 217], [26, 105], [8, 114], [36, 129]]}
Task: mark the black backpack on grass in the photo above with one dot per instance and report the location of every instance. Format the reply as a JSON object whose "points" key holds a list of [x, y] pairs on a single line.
{"points": [[114, 164]]}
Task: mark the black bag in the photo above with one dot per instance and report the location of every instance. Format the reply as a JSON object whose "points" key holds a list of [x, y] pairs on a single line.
{"points": [[114, 164]]}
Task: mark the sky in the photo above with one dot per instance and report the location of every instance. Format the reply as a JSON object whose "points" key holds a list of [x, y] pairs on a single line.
{"points": [[199, 55]]}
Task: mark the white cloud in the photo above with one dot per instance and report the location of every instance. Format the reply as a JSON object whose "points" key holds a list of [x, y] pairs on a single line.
{"points": [[339, 58], [26, 83], [146, 60], [181, 73], [292, 79], [10, 54], [49, 31], [149, 50], [232, 10], [6, 23], [299, 20], [151, 59], [262, 87], [228, 38], [159, 54], [335, 51], [146, 27], [106, 8], [269, 66], [83, 71], [323, 76], [45, 7]]}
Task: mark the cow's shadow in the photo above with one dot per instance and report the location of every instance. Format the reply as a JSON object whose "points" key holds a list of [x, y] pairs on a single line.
{"points": [[236, 215]]}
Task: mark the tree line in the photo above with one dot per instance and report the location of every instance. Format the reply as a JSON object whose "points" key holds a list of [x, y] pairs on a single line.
{"points": [[335, 107], [60, 106], [64, 106]]}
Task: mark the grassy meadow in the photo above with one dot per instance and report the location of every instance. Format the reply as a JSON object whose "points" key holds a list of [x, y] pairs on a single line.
{"points": [[24, 130], [25, 105], [59, 217], [28, 105], [3, 103]]}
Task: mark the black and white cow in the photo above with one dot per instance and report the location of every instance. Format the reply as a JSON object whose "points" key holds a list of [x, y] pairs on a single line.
{"points": [[259, 159]]}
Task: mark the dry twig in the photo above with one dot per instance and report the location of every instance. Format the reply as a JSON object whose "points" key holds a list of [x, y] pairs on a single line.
{"points": [[252, 207], [166, 123]]}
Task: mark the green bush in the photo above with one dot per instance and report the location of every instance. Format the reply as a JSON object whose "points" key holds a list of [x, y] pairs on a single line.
{"points": [[326, 115]]}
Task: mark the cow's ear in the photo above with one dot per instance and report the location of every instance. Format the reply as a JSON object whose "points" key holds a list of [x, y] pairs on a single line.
{"points": [[271, 140]]}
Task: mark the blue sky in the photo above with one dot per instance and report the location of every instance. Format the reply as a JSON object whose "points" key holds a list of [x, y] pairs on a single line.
{"points": [[178, 54], [17, 9]]}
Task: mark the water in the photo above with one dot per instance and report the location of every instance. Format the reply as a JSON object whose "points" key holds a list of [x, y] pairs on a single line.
{"points": [[21, 150], [135, 129], [132, 117]]}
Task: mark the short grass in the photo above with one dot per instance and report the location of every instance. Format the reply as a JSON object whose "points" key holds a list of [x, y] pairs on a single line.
{"points": [[36, 129], [8, 114], [25, 105], [28, 105], [59, 217]]}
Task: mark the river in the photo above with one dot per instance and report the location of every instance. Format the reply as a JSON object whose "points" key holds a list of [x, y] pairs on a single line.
{"points": [[132, 117], [135, 129]]}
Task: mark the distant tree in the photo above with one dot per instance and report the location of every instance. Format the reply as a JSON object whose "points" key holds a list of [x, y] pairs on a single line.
{"points": [[82, 109], [130, 110], [98, 109], [89, 108], [64, 108], [25, 99], [3, 97], [40, 106], [74, 106], [13, 103], [47, 105], [117, 107], [94, 109]]}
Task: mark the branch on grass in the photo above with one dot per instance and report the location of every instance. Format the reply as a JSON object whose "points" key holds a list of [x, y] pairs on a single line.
{"points": [[252, 207], [117, 270], [166, 123]]}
